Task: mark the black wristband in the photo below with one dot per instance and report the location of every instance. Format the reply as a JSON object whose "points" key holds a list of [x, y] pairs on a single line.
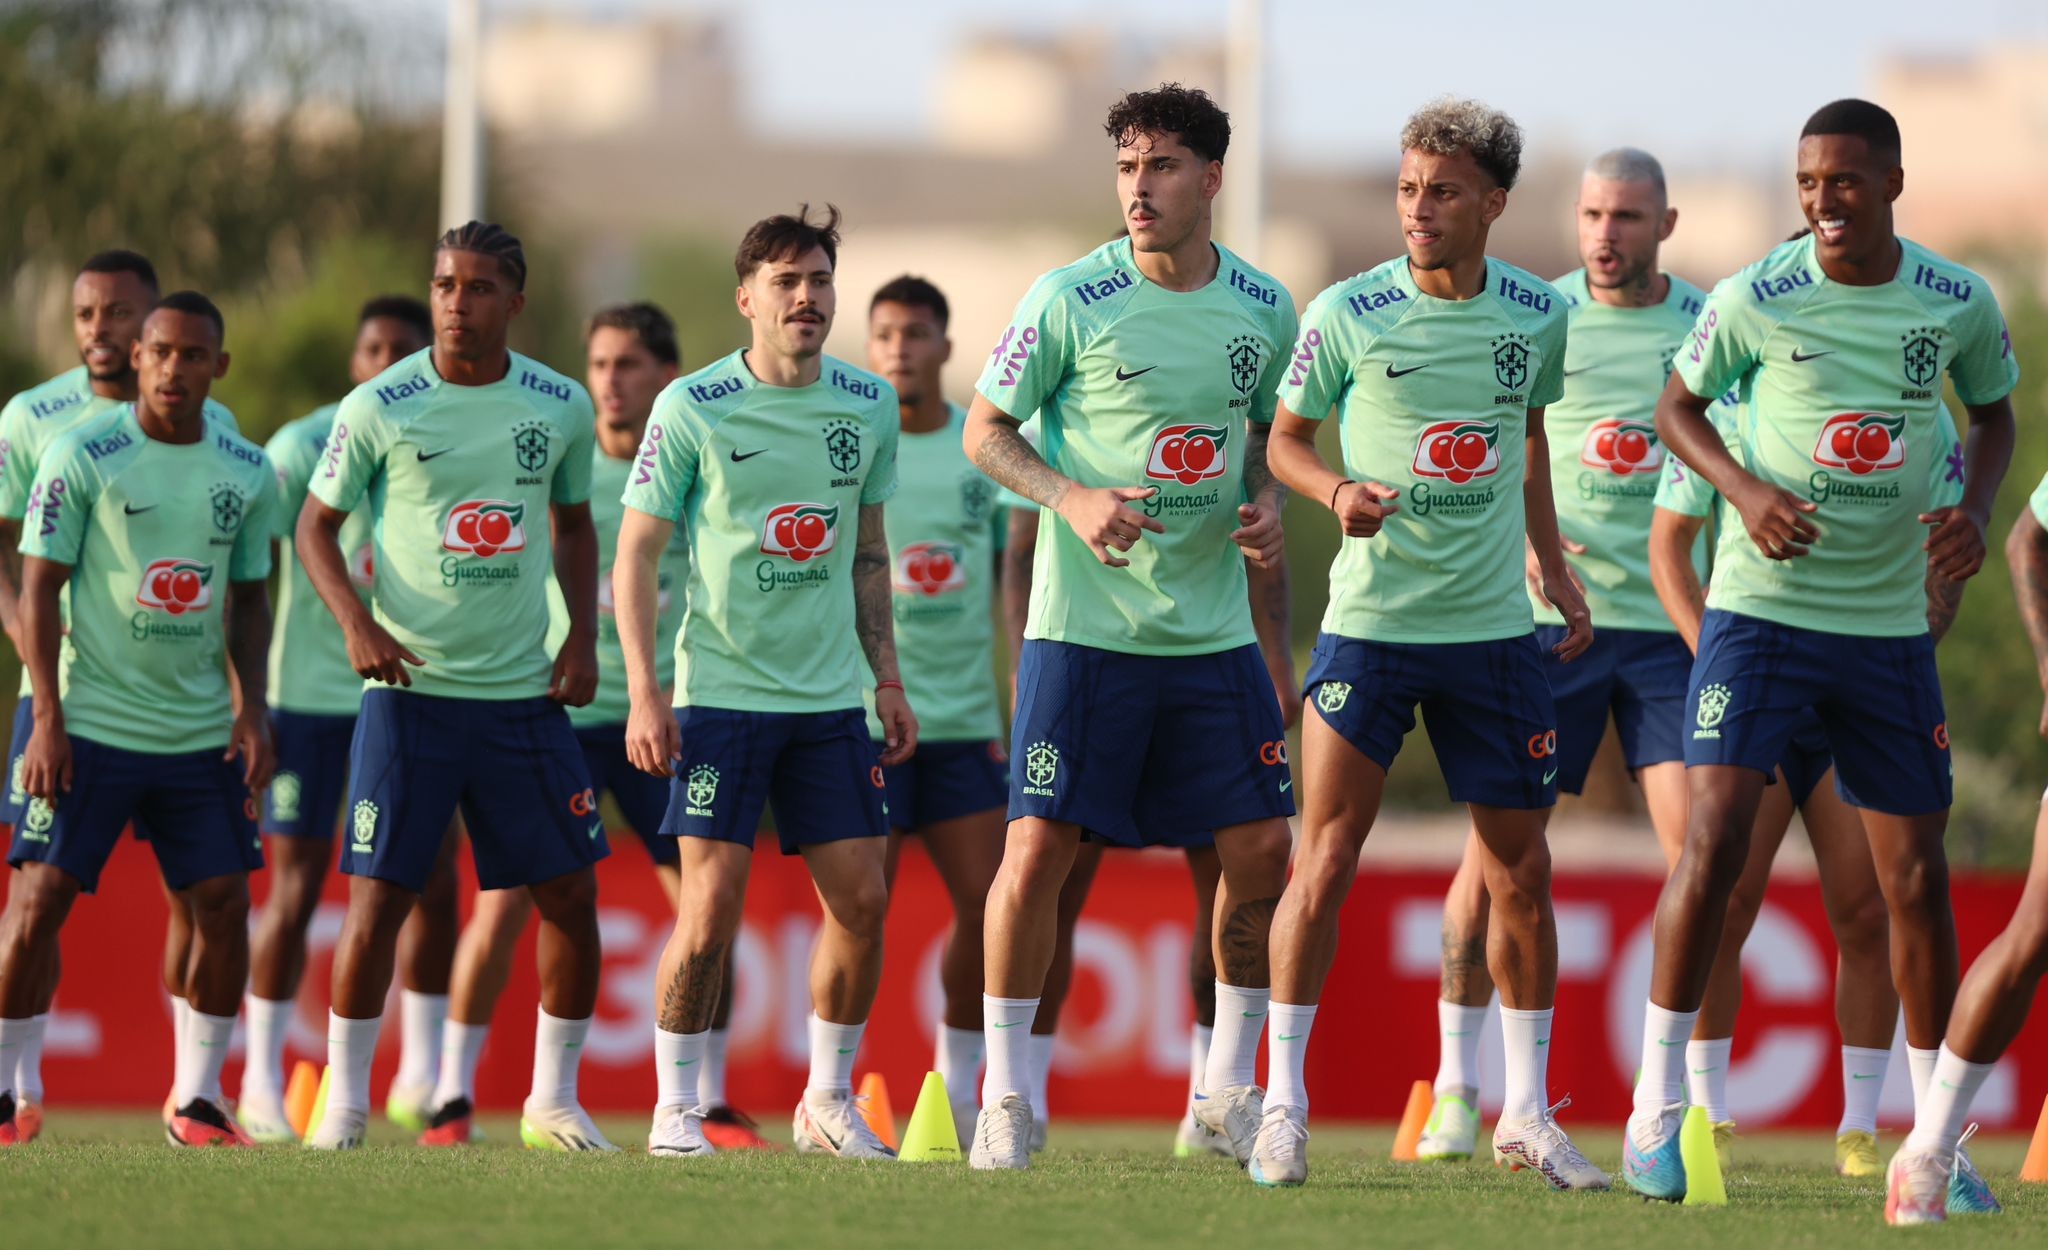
{"points": [[1349, 481]]}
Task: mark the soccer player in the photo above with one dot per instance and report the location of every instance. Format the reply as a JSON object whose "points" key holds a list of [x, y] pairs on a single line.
{"points": [[1922, 1183], [113, 293], [1838, 341], [1866, 1004], [1626, 318], [763, 456], [475, 462], [1143, 705], [1442, 363], [314, 694], [159, 520]]}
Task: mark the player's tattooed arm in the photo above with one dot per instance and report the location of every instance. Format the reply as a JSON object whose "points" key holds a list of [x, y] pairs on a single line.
{"points": [[995, 442], [1260, 486], [1677, 582], [46, 764], [2026, 550], [1258, 533], [248, 624], [1944, 600], [1272, 621], [874, 620]]}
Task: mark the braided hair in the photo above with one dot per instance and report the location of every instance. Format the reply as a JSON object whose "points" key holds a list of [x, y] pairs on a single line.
{"points": [[488, 238]]}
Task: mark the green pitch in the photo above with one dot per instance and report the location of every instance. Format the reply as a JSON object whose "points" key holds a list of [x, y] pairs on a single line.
{"points": [[108, 1180]]}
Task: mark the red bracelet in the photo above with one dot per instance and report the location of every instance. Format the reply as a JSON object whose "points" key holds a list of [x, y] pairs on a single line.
{"points": [[885, 685]]}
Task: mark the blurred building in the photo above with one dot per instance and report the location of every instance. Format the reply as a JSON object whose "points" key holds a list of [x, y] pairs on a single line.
{"points": [[1975, 130]]}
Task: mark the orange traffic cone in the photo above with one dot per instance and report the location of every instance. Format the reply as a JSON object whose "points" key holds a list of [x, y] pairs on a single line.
{"points": [[299, 1093], [875, 1109], [1420, 1099], [2036, 1166]]}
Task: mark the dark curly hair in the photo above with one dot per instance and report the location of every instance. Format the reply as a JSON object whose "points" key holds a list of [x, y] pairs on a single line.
{"points": [[1187, 113]]}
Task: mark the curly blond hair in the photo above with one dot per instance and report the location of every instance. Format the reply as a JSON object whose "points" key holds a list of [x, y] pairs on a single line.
{"points": [[1449, 125]]}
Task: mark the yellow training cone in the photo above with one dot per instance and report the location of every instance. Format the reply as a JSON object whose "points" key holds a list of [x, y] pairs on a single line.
{"points": [[931, 1137], [875, 1108], [1420, 1098], [299, 1094], [1703, 1187], [319, 1101]]}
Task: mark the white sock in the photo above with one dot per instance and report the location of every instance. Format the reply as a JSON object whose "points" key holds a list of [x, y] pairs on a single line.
{"points": [[1040, 1048], [420, 1017], [1458, 1029], [1006, 1028], [1920, 1063], [1863, 1071], [28, 1069], [1944, 1110], [1706, 1076], [13, 1036], [677, 1058], [1199, 1038], [462, 1045], [263, 1066], [1234, 1046], [351, 1046], [206, 1041], [181, 1054], [557, 1056], [957, 1060], [833, 1050], [1286, 1052], [1525, 1043], [711, 1074], [1663, 1080]]}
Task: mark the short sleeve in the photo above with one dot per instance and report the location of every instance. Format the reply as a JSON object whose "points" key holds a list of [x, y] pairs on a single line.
{"points": [[249, 561], [223, 416], [1033, 357], [2037, 503], [294, 458], [1317, 374], [17, 468], [59, 502], [1682, 491], [1286, 330], [665, 468], [1984, 368], [355, 453], [1549, 387], [880, 482], [1724, 343], [1945, 468], [571, 483]]}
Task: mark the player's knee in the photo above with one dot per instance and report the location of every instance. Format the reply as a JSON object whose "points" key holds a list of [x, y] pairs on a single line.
{"points": [[1865, 927], [862, 909], [570, 898], [1918, 888], [220, 906]]}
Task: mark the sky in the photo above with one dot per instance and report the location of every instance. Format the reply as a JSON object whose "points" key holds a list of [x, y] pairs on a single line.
{"points": [[1705, 85]]}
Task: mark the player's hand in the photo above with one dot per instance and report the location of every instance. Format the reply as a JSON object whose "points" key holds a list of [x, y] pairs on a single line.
{"points": [[375, 654], [1258, 534], [1362, 506], [1955, 548], [575, 677], [899, 725], [1281, 669], [652, 740], [1564, 594], [1102, 519], [46, 763], [1532, 568], [250, 741], [1777, 520]]}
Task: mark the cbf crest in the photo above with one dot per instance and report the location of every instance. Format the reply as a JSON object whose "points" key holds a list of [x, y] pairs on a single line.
{"points": [[1921, 361], [977, 496], [701, 789], [530, 446], [1245, 355], [842, 446], [1511, 360], [1042, 764], [227, 507]]}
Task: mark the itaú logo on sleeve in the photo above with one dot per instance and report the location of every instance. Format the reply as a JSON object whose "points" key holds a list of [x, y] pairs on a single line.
{"points": [[930, 569], [1862, 442], [485, 527], [1188, 454], [1458, 451], [1622, 446], [800, 531], [176, 586]]}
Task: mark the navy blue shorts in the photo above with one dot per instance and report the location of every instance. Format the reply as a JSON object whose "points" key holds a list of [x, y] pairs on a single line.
{"points": [[1807, 758], [1147, 750], [642, 797], [304, 799], [1878, 699], [817, 769], [1640, 676], [944, 781], [202, 818], [1486, 705], [513, 767]]}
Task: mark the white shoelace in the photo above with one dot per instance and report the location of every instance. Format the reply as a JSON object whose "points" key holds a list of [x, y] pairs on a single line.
{"points": [[1002, 1133], [1287, 1144]]}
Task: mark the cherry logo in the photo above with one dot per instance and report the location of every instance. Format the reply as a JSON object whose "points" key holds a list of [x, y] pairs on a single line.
{"points": [[1458, 451], [485, 527], [1188, 454], [931, 569], [1862, 442], [1622, 446], [800, 531], [176, 586]]}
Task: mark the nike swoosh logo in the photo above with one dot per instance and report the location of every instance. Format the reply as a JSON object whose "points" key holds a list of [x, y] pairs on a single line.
{"points": [[1290, 1037], [1679, 1042], [737, 457], [132, 510], [1871, 1076], [1799, 358], [1701, 1071], [846, 1050], [595, 830], [1460, 1033], [1544, 1042], [1011, 1025], [1392, 372], [570, 1045], [426, 455], [210, 1045], [1121, 376], [1252, 1015], [684, 1063], [1285, 786], [1550, 776]]}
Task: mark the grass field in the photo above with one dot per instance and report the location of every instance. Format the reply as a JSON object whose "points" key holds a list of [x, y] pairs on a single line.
{"points": [[108, 1180]]}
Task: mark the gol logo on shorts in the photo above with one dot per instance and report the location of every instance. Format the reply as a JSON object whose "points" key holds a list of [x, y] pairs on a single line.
{"points": [[1543, 745], [1273, 752], [582, 803]]}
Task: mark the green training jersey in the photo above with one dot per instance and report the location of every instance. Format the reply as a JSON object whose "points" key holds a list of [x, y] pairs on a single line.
{"points": [[1433, 398], [309, 668], [768, 481], [2038, 501], [458, 481], [1136, 385], [1605, 458], [33, 420], [942, 556], [155, 534], [608, 478], [1681, 490], [1844, 408]]}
